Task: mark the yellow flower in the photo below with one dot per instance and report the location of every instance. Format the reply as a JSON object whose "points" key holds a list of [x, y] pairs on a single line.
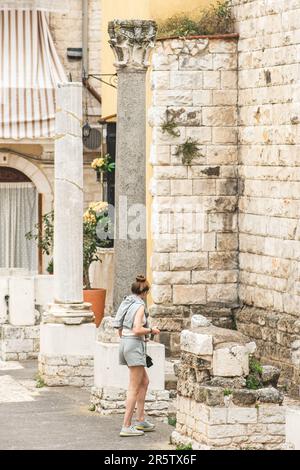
{"points": [[97, 163], [98, 206], [89, 217]]}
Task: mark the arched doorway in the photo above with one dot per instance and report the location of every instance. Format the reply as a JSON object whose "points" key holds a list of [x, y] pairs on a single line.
{"points": [[18, 215]]}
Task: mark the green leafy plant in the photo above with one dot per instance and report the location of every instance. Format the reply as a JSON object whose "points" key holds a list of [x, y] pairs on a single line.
{"points": [[39, 382], [172, 420], [97, 230], [253, 380], [92, 407], [43, 234], [178, 25], [255, 366], [169, 125], [227, 392], [188, 150], [184, 447], [215, 19], [95, 220]]}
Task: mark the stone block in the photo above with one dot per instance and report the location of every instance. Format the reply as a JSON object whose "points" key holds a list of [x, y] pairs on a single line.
{"points": [[67, 340], [189, 294], [293, 427], [187, 261], [241, 415], [161, 294], [226, 430], [21, 301], [17, 345], [109, 374], [230, 362], [196, 343]]}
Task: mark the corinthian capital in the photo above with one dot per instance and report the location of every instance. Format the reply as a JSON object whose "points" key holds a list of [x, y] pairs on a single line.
{"points": [[131, 42]]}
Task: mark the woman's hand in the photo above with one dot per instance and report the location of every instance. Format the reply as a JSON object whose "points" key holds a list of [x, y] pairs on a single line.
{"points": [[155, 330]]}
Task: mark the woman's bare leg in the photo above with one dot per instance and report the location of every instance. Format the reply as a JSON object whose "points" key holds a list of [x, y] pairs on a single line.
{"points": [[141, 397], [136, 375]]}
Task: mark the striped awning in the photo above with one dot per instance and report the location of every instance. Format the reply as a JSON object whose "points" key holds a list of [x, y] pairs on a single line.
{"points": [[42, 5], [30, 70]]}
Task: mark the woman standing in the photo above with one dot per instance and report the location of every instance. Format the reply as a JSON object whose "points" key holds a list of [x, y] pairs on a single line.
{"points": [[134, 330]]}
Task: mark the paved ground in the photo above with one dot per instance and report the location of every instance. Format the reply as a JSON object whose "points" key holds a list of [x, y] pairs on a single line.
{"points": [[58, 417]]}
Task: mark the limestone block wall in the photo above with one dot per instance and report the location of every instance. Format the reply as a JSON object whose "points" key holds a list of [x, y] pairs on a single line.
{"points": [[194, 210], [216, 407], [269, 200]]}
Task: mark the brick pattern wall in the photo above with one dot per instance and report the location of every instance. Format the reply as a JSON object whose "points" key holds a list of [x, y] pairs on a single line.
{"points": [[194, 211], [269, 202]]}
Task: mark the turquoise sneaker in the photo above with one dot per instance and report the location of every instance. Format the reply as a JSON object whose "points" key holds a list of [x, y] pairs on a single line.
{"points": [[145, 426], [130, 431]]}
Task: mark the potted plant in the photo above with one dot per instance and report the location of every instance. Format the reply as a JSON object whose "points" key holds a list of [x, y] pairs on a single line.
{"points": [[95, 221], [103, 165], [96, 230]]}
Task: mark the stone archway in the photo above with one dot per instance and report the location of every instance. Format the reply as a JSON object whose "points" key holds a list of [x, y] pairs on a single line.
{"points": [[36, 175]]}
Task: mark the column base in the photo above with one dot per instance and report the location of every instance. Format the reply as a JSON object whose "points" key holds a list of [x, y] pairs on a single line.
{"points": [[67, 354], [69, 314], [19, 343], [109, 401]]}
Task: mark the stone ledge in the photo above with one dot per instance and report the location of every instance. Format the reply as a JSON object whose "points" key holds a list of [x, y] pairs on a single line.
{"points": [[110, 400], [77, 371]]}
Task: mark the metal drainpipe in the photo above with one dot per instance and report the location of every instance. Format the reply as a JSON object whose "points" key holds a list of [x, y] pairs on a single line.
{"points": [[85, 32], [6, 297]]}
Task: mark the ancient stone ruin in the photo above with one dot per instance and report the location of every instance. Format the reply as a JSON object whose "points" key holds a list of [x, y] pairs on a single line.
{"points": [[226, 399]]}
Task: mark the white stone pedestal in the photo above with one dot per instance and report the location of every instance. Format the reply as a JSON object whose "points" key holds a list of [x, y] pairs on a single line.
{"points": [[67, 354]]}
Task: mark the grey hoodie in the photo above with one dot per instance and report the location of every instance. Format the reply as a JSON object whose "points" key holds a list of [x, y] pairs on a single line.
{"points": [[127, 310]]}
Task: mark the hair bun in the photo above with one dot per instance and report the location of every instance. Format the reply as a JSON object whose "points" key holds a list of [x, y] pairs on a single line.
{"points": [[140, 278]]}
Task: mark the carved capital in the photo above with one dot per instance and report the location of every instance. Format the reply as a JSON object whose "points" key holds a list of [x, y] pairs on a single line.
{"points": [[131, 42]]}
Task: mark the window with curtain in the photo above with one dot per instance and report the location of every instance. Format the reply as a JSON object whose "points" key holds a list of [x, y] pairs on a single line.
{"points": [[18, 215]]}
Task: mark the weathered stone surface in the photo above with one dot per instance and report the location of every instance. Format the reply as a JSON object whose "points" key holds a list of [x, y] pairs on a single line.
{"points": [[269, 395], [244, 397], [230, 362], [196, 343], [199, 321], [270, 376], [229, 383]]}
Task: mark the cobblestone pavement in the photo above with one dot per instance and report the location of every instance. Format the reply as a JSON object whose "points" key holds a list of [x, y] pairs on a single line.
{"points": [[58, 417]]}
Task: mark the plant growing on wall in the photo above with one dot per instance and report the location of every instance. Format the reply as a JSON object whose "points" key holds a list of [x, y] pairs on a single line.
{"points": [[215, 19], [169, 125], [188, 150]]}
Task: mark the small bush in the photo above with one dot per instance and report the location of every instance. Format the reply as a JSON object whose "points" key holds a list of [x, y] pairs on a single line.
{"points": [[253, 381], [184, 447], [172, 420], [227, 392], [188, 150], [39, 382], [215, 19], [255, 366]]}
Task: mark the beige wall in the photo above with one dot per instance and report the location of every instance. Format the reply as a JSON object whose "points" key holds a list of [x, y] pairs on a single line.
{"points": [[135, 9]]}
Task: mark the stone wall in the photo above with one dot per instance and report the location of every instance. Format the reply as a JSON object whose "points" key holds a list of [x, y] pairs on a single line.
{"points": [[269, 202], [194, 211], [216, 408], [18, 343]]}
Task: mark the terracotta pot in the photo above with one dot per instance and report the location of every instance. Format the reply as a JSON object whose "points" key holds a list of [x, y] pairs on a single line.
{"points": [[97, 298]]}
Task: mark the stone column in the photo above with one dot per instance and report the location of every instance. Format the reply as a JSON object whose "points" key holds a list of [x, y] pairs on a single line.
{"points": [[131, 42], [67, 331]]}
